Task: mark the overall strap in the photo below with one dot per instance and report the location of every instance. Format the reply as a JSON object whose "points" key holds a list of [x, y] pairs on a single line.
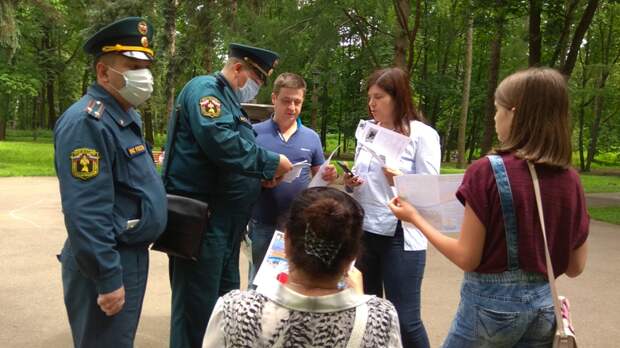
{"points": [[508, 211]]}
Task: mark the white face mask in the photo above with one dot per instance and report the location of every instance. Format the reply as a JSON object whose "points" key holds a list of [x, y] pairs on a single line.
{"points": [[138, 85], [248, 91]]}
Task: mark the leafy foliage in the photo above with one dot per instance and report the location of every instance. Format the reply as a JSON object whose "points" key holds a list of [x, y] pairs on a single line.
{"points": [[335, 45]]}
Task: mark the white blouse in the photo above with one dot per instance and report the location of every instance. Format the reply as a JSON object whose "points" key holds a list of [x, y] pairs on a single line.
{"points": [[421, 156]]}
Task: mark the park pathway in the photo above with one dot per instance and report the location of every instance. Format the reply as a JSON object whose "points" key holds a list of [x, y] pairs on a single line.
{"points": [[32, 312]]}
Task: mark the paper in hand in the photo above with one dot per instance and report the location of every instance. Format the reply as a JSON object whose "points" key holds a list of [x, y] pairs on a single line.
{"points": [[318, 178], [295, 172]]}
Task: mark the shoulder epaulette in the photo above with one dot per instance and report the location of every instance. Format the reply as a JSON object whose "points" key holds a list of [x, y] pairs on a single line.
{"points": [[95, 108]]}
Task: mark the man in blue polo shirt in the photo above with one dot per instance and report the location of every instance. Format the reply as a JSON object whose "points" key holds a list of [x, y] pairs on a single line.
{"points": [[284, 134]]}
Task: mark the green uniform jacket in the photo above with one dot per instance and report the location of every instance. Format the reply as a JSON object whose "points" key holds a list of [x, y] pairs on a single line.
{"points": [[215, 157]]}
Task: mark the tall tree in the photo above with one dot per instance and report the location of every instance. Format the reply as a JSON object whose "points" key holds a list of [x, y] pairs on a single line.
{"points": [[170, 28], [582, 27], [535, 37], [466, 87]]}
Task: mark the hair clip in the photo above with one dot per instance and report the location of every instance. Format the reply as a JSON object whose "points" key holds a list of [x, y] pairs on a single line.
{"points": [[324, 250]]}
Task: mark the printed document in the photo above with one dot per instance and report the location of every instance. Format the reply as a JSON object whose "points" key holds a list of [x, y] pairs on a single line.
{"points": [[295, 172], [434, 197], [317, 180], [273, 264], [382, 142]]}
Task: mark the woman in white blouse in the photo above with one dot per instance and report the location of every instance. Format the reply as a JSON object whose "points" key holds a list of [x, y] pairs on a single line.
{"points": [[394, 255]]}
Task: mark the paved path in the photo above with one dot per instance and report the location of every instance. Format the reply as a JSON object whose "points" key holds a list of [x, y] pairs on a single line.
{"points": [[32, 313]]}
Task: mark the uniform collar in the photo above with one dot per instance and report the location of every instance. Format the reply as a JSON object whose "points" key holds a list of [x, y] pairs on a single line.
{"points": [[122, 117], [227, 88]]}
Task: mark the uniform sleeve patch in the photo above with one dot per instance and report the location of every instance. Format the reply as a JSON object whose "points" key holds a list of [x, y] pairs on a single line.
{"points": [[136, 150], [84, 163], [210, 107]]}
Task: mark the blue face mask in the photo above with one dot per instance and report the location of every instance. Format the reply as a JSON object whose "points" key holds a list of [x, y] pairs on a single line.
{"points": [[248, 91]]}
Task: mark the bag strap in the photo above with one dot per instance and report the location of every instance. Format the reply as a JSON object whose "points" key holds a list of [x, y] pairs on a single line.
{"points": [[359, 326], [550, 275]]}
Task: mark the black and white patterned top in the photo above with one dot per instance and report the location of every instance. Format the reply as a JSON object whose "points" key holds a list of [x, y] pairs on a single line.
{"points": [[253, 319]]}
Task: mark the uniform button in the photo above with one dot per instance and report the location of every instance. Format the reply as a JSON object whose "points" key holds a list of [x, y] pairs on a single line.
{"points": [[122, 122], [98, 102]]}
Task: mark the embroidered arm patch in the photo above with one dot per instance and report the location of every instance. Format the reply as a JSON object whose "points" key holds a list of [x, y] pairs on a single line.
{"points": [[84, 163], [210, 107]]}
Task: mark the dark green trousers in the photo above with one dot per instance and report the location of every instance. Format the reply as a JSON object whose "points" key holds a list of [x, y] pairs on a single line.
{"points": [[196, 285]]}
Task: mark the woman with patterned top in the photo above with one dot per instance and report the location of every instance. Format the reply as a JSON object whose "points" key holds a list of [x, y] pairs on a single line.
{"points": [[312, 308]]}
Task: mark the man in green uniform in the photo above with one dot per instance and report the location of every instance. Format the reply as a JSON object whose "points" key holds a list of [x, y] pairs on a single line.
{"points": [[214, 158]]}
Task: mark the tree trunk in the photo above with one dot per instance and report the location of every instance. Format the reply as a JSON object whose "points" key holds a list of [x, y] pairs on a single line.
{"points": [[402, 9], [147, 118], [560, 48], [496, 48], [582, 28], [170, 14], [51, 109], [466, 87], [535, 37], [582, 111], [598, 111], [4, 116], [315, 103], [324, 115], [412, 37]]}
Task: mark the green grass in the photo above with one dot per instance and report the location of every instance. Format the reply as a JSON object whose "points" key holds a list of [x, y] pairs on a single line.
{"points": [[593, 183], [607, 214], [19, 158]]}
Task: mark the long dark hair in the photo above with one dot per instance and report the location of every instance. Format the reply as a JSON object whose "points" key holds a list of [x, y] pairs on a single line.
{"points": [[395, 82]]}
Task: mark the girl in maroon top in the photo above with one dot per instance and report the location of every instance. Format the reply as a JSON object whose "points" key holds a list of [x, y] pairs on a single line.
{"points": [[505, 296]]}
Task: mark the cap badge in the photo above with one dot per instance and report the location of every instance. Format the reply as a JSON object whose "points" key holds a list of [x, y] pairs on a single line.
{"points": [[144, 41], [143, 28]]}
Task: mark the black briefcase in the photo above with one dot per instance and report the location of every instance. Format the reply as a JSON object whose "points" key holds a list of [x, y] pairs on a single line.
{"points": [[187, 221]]}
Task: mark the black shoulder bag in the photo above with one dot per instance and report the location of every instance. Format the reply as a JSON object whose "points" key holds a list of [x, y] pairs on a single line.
{"points": [[187, 217]]}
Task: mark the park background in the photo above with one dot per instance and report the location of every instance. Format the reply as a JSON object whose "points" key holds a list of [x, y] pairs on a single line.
{"points": [[455, 51]]}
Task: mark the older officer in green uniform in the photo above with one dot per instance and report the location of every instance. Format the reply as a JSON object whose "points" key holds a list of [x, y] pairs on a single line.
{"points": [[113, 199], [215, 159]]}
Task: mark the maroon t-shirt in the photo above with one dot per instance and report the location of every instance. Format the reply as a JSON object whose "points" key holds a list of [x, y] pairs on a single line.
{"points": [[564, 206]]}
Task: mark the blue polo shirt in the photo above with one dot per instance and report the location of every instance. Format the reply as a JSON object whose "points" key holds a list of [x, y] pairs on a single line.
{"points": [[303, 145]]}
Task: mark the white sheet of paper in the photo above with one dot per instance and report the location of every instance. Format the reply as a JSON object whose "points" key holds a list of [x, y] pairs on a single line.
{"points": [[294, 173], [382, 141], [317, 180], [378, 157], [434, 197], [273, 264]]}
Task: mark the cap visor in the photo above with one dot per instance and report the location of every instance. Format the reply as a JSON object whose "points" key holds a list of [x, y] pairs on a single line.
{"points": [[137, 55]]}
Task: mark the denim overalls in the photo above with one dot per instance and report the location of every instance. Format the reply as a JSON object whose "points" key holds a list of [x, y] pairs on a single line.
{"points": [[509, 309]]}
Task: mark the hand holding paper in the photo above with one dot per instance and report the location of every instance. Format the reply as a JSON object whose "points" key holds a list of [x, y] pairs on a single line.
{"points": [[294, 173], [318, 180]]}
